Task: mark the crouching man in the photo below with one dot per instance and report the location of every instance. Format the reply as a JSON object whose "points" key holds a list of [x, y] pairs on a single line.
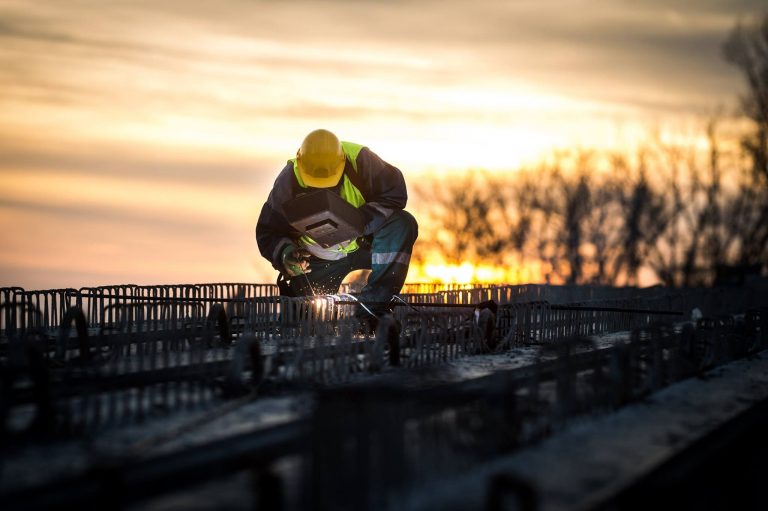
{"points": [[362, 179]]}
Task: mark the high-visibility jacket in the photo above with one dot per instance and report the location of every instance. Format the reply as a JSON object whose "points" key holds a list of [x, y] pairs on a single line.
{"points": [[369, 183]]}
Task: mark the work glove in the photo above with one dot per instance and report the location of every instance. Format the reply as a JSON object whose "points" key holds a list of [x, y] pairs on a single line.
{"points": [[295, 260]]}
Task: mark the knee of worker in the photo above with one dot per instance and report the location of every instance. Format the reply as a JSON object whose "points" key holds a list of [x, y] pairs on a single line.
{"points": [[405, 224]]}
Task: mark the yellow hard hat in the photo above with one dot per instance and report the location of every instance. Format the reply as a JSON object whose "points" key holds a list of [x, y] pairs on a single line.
{"points": [[320, 159]]}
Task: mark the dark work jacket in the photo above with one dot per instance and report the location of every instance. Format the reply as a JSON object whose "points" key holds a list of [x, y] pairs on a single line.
{"points": [[381, 184]]}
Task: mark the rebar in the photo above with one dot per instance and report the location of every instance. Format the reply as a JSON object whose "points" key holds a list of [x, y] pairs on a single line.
{"points": [[376, 446], [105, 355]]}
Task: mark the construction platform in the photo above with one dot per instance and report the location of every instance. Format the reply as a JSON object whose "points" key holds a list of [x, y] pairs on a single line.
{"points": [[230, 396]]}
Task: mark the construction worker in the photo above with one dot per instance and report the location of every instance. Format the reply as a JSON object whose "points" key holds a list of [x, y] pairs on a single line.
{"points": [[375, 188]]}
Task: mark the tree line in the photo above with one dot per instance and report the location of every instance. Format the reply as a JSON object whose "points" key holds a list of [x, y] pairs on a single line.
{"points": [[686, 213]]}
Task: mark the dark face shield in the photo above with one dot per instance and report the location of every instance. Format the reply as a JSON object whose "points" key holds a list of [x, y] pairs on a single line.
{"points": [[325, 217]]}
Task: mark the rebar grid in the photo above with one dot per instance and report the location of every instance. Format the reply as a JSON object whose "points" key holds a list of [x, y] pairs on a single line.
{"points": [[390, 444], [383, 446], [78, 359]]}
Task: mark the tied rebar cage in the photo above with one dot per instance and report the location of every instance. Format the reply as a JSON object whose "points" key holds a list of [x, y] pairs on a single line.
{"points": [[394, 407], [75, 360], [392, 446]]}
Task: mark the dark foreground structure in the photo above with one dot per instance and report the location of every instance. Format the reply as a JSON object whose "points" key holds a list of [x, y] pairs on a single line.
{"points": [[506, 397]]}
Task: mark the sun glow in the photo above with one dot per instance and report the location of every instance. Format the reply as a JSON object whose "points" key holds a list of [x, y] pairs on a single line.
{"points": [[138, 144], [441, 272]]}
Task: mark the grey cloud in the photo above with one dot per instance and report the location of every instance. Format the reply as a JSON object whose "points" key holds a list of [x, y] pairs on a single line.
{"points": [[28, 73], [624, 44], [114, 161], [608, 66], [21, 30], [136, 217], [717, 6], [633, 49]]}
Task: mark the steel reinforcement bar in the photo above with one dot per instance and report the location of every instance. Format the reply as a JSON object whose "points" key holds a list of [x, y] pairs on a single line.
{"points": [[369, 446], [165, 347], [21, 309]]}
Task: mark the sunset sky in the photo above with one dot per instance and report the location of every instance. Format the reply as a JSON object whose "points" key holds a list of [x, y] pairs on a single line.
{"points": [[138, 139]]}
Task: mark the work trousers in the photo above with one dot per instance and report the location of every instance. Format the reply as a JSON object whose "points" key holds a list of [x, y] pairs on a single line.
{"points": [[387, 256]]}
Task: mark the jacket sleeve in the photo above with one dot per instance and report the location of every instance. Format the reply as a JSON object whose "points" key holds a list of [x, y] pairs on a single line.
{"points": [[385, 189], [273, 232]]}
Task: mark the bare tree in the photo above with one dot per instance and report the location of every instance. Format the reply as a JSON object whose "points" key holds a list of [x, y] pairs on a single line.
{"points": [[644, 216], [672, 209], [459, 211], [687, 213], [747, 49], [679, 255], [564, 205], [601, 218]]}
